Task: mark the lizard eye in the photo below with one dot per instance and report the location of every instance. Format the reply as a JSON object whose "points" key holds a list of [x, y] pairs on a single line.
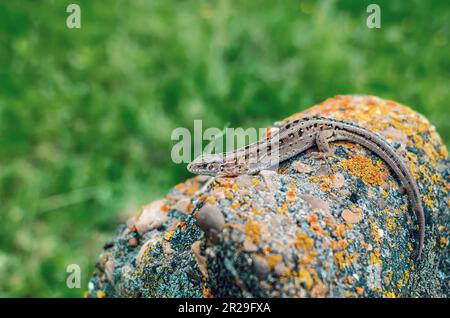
{"points": [[222, 167], [212, 167]]}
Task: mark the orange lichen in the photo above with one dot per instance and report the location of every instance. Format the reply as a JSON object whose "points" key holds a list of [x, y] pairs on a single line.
{"points": [[391, 223], [341, 260], [100, 294], [189, 207], [442, 242], [359, 291], [229, 195], [291, 195], [418, 140], [308, 258], [314, 225], [342, 244], [255, 181], [314, 179], [311, 218], [282, 170], [253, 230], [303, 241], [405, 277], [169, 235], [431, 152], [389, 294], [207, 292], [375, 233], [211, 199], [235, 205], [428, 201], [180, 186], [305, 278], [273, 260], [374, 259], [339, 230], [318, 290], [363, 167], [316, 228], [399, 283], [283, 209]]}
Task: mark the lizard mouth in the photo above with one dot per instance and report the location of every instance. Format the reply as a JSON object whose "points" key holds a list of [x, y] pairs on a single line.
{"points": [[198, 169], [190, 167]]}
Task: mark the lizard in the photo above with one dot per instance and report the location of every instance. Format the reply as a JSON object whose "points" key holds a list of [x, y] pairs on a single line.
{"points": [[299, 135]]}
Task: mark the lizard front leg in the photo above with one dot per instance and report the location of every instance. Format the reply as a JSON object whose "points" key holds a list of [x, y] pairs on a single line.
{"points": [[323, 145]]}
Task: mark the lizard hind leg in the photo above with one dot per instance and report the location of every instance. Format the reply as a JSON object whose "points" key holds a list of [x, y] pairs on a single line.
{"points": [[323, 145]]}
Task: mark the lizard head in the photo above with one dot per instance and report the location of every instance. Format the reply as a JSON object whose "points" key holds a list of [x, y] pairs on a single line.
{"points": [[215, 165], [206, 165]]}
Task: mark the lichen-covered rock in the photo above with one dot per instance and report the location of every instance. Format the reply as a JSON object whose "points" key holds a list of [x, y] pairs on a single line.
{"points": [[312, 228]]}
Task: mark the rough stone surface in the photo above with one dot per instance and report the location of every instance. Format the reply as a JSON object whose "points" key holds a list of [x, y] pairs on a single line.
{"points": [[306, 230]]}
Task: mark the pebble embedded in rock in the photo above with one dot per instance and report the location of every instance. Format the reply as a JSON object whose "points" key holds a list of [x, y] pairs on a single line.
{"points": [[381, 203], [201, 259], [133, 241], [279, 268], [271, 179], [202, 178], [316, 203], [339, 180], [249, 246], [301, 167], [152, 217], [350, 217], [144, 249], [244, 181], [182, 205], [396, 134], [260, 266], [210, 217], [109, 269]]}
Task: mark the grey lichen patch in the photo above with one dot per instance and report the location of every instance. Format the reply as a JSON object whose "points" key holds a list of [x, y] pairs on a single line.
{"points": [[313, 228]]}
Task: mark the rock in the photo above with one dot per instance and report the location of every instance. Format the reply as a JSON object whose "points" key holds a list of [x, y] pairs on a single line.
{"points": [[338, 180], [279, 269], [270, 179], [249, 246], [151, 217], [244, 181], [260, 266], [315, 202], [301, 167], [350, 217], [201, 259], [297, 232], [109, 269], [210, 217], [133, 242], [183, 204], [145, 249]]}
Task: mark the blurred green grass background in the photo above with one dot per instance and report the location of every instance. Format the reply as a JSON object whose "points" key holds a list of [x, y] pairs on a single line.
{"points": [[86, 115]]}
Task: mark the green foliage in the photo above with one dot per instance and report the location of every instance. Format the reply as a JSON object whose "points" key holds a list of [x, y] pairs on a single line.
{"points": [[86, 115]]}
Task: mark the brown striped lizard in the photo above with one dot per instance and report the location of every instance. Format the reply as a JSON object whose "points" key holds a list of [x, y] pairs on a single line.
{"points": [[297, 136]]}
